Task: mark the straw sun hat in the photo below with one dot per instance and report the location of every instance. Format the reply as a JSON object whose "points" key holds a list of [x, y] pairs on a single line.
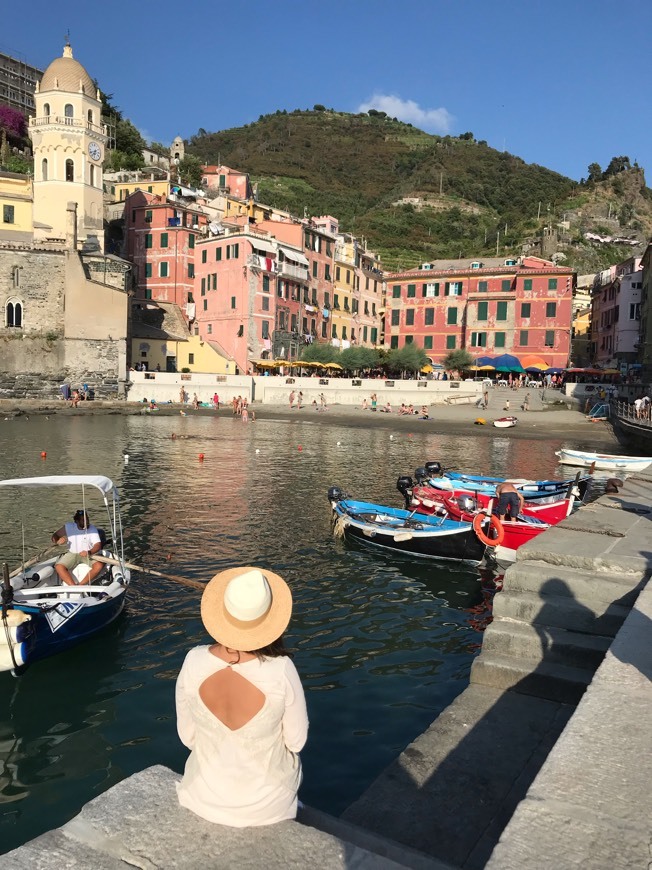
{"points": [[246, 608]]}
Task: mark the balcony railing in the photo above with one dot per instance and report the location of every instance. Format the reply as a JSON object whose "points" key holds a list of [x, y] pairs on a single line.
{"points": [[291, 271], [64, 121]]}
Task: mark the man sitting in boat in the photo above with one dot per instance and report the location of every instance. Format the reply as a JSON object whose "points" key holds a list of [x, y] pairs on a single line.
{"points": [[510, 502], [83, 541]]}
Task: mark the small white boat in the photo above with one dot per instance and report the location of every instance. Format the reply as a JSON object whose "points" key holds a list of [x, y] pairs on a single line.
{"points": [[505, 422], [603, 461]]}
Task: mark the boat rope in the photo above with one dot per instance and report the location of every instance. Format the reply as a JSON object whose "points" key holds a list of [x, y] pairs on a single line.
{"points": [[339, 526]]}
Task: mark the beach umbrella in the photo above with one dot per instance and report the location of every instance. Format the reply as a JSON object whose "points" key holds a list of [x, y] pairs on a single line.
{"points": [[611, 372], [507, 363], [484, 361], [486, 368], [332, 365], [426, 370], [553, 371], [535, 370], [530, 361]]}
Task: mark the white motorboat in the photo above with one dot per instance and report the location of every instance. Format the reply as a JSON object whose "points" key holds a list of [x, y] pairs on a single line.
{"points": [[505, 422], [603, 461]]}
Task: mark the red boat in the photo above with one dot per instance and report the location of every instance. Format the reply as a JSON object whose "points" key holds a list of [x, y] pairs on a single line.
{"points": [[505, 537]]}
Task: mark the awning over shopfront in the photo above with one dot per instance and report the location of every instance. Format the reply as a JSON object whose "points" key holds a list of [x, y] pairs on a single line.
{"points": [[294, 256]]}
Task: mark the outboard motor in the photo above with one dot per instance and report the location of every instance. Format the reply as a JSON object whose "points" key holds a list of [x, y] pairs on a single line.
{"points": [[335, 493], [404, 486], [467, 504], [421, 475], [434, 469]]}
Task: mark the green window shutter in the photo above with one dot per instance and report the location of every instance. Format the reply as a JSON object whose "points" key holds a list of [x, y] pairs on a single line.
{"points": [[499, 339], [191, 240], [427, 342], [451, 319], [526, 307], [203, 255], [482, 286], [365, 333], [507, 284], [393, 342], [523, 338], [148, 270], [550, 338], [501, 311], [265, 283], [447, 287], [409, 317], [409, 339], [552, 283], [218, 253], [164, 270], [450, 342], [527, 284], [483, 308], [396, 291], [396, 317], [233, 302], [411, 291], [164, 240], [236, 250], [148, 293], [374, 335], [203, 286], [424, 288], [430, 316], [551, 309], [191, 270], [148, 240]]}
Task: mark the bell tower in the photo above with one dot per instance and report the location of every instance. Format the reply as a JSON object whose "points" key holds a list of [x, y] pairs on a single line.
{"points": [[69, 142]]}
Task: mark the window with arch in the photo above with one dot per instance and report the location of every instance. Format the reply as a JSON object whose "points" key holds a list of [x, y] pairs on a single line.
{"points": [[68, 110], [14, 314], [44, 169], [70, 170], [46, 109], [90, 116]]}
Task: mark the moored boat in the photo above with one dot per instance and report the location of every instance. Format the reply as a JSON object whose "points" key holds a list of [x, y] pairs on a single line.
{"points": [[418, 535], [505, 422], [603, 461], [532, 490], [41, 616]]}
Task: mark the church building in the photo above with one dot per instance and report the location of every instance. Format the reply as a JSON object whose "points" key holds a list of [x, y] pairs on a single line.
{"points": [[64, 303]]}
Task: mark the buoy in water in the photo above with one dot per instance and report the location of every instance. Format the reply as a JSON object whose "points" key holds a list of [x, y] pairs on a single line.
{"points": [[43, 454], [126, 458], [201, 457], [391, 437], [257, 451], [339, 443], [300, 448]]}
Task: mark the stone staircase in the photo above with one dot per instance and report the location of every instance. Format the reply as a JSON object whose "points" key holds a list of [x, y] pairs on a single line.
{"points": [[552, 627]]}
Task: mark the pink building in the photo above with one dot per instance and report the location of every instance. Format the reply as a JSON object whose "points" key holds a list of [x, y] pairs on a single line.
{"points": [[226, 180], [616, 314], [489, 307], [161, 235]]}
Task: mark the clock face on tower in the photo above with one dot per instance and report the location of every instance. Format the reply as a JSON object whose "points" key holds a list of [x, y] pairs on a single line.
{"points": [[94, 151]]}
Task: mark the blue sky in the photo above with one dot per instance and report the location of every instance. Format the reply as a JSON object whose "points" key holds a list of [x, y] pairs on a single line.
{"points": [[558, 82]]}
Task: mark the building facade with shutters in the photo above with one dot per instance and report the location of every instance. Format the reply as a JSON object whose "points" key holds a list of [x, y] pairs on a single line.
{"points": [[488, 307]]}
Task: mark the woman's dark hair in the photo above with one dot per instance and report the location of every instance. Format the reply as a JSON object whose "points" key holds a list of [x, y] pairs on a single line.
{"points": [[273, 650]]}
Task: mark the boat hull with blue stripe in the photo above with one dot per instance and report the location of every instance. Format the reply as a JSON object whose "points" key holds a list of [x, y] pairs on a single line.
{"points": [[532, 490], [405, 532]]}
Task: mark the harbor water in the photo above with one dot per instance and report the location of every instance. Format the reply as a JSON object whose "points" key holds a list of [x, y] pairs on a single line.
{"points": [[382, 643]]}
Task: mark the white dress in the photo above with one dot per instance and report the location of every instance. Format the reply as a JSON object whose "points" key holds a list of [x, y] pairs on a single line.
{"points": [[249, 776]]}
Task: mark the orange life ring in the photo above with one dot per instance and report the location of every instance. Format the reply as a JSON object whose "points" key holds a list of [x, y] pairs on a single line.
{"points": [[496, 525]]}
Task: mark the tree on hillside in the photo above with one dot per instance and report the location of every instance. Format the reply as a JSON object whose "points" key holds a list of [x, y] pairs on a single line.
{"points": [[127, 138], [321, 352], [616, 165], [459, 360], [595, 172], [117, 160], [409, 358], [190, 171]]}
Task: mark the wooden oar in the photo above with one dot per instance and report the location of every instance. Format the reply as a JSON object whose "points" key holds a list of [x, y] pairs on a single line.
{"points": [[40, 557], [194, 584]]}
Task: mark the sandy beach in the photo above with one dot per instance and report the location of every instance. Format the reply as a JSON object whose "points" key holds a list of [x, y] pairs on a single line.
{"points": [[538, 423]]}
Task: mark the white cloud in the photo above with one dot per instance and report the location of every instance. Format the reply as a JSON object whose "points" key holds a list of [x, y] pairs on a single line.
{"points": [[434, 120]]}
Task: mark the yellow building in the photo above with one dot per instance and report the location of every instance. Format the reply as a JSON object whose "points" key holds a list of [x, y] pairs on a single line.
{"points": [[16, 201], [581, 338], [118, 190], [345, 295]]}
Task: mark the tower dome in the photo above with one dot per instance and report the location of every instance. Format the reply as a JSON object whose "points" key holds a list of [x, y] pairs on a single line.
{"points": [[67, 74]]}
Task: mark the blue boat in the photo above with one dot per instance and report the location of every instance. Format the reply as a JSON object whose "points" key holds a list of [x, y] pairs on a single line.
{"points": [[532, 490], [425, 536], [40, 616]]}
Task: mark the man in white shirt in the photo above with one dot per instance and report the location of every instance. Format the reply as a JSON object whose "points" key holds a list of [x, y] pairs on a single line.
{"points": [[83, 541]]}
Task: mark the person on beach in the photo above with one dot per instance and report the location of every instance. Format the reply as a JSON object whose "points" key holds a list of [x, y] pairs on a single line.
{"points": [[234, 405], [216, 402], [299, 400], [240, 705], [510, 502], [506, 406], [182, 396], [485, 398], [423, 415], [365, 405], [83, 541], [322, 402], [387, 409], [195, 401], [526, 403], [292, 397], [74, 401], [402, 410], [245, 414], [374, 401]]}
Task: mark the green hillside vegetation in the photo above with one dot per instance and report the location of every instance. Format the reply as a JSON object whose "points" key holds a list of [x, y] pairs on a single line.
{"points": [[465, 198]]}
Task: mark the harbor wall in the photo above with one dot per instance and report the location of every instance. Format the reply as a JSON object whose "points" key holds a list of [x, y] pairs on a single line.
{"points": [[275, 390]]}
